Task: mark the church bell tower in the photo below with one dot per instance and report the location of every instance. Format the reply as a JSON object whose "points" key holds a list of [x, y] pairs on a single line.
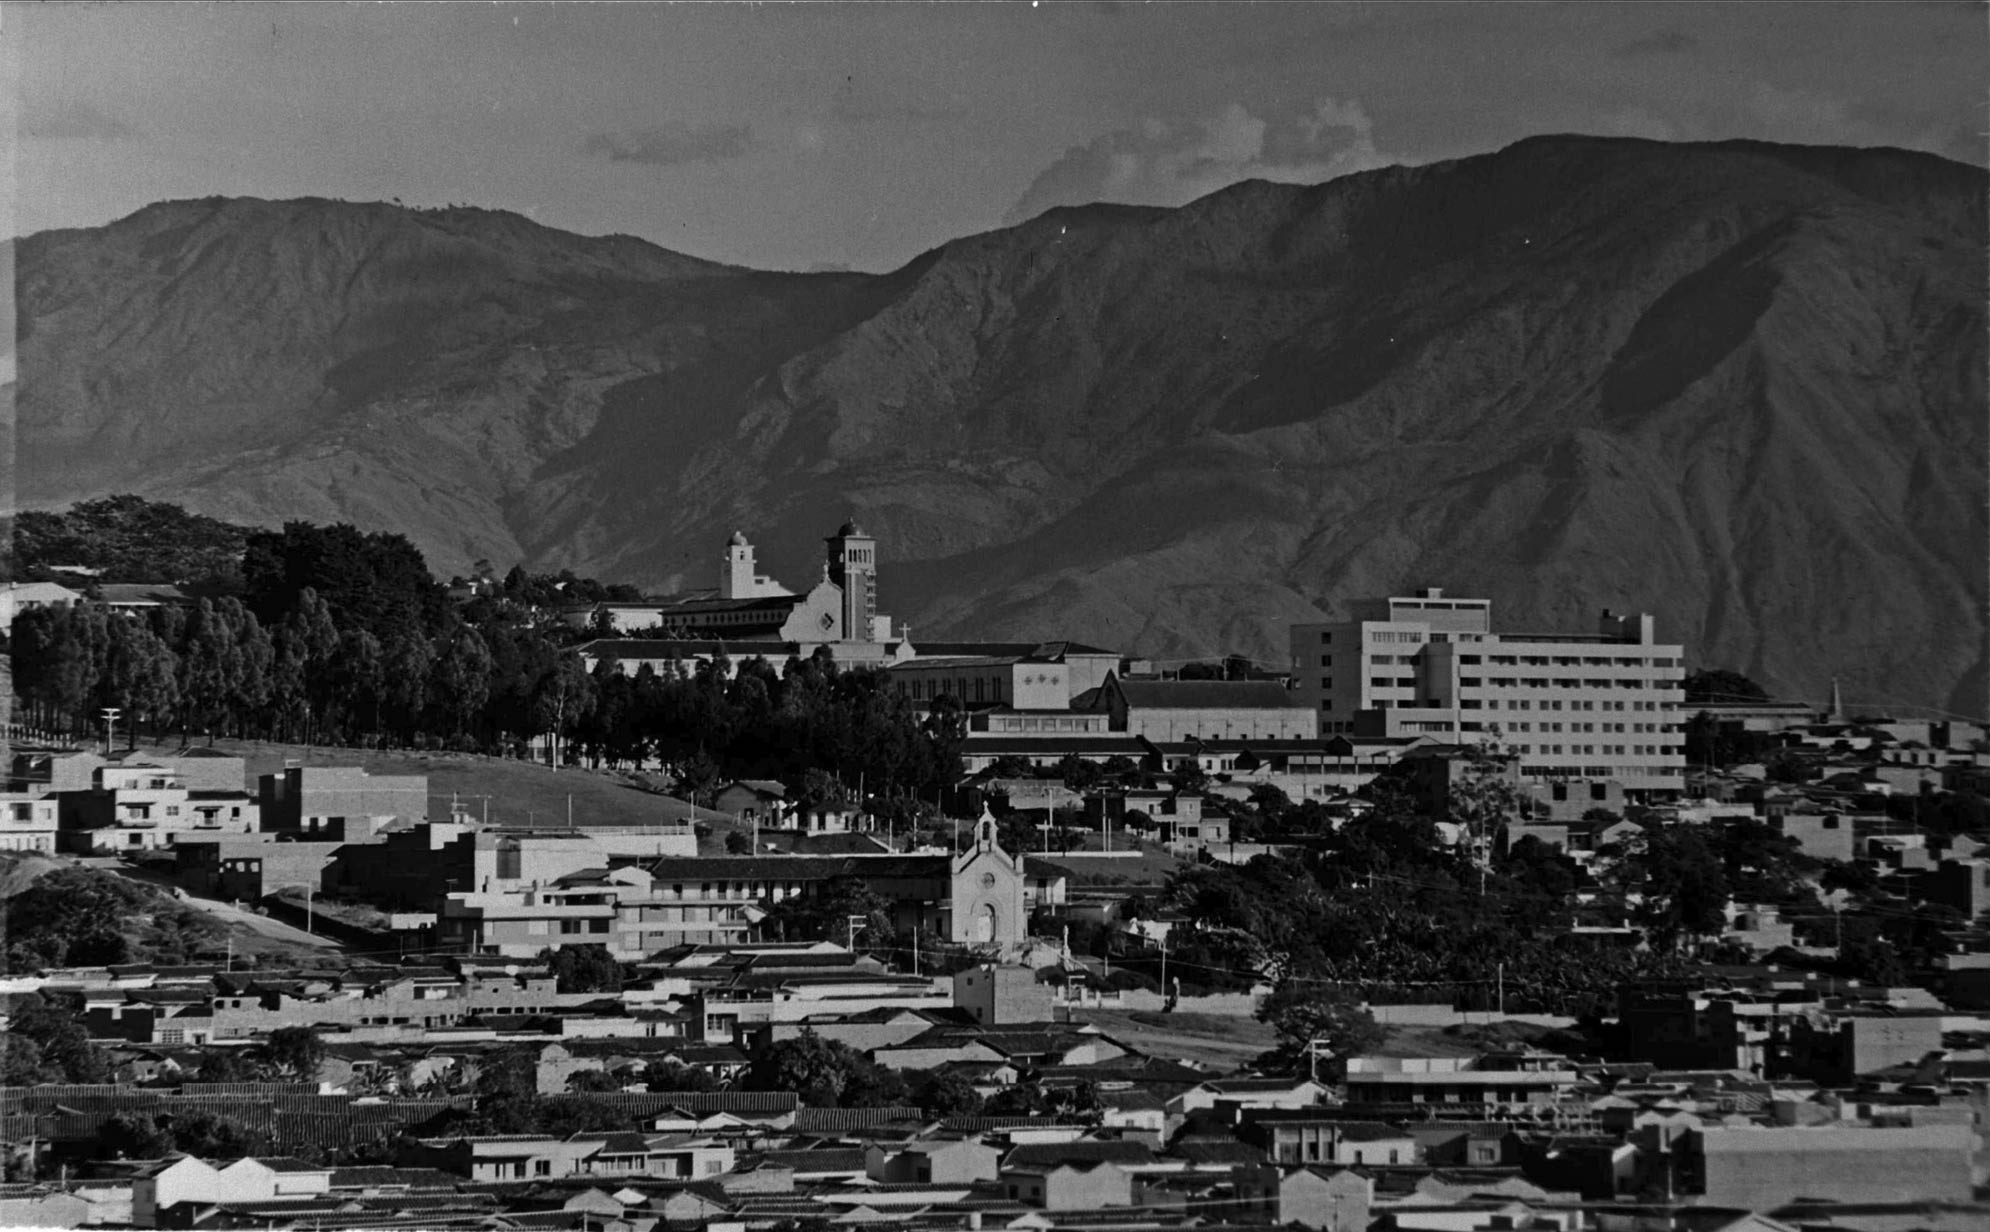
{"points": [[852, 566]]}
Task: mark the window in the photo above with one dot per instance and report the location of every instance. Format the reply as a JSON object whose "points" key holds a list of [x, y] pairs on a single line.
{"points": [[542, 1167]]}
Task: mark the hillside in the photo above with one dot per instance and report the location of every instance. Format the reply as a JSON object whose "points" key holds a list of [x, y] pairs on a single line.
{"points": [[1738, 385]]}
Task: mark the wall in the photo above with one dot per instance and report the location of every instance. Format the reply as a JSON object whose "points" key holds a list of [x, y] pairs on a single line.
{"points": [[1760, 1169], [1248, 723]]}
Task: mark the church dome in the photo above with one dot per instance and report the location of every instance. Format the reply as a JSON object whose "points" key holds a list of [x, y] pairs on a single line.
{"points": [[738, 540], [848, 529]]}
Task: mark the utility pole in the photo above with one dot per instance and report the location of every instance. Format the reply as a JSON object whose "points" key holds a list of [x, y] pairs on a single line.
{"points": [[1502, 990], [110, 728]]}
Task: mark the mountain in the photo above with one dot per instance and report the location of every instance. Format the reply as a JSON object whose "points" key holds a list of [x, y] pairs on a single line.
{"points": [[1738, 385]]}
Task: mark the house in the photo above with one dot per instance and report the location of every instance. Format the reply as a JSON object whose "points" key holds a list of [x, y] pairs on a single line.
{"points": [[758, 801], [28, 822], [18, 597], [142, 596], [167, 1183], [999, 994], [1331, 1199], [1822, 836], [936, 1161], [525, 1157], [1318, 1136], [143, 806], [1068, 1182], [247, 867], [1289, 1093]]}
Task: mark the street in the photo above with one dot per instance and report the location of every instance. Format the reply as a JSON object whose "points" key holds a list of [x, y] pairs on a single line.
{"points": [[227, 913]]}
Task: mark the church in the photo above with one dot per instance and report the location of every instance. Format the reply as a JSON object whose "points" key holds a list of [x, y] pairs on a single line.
{"points": [[973, 897], [753, 613]]}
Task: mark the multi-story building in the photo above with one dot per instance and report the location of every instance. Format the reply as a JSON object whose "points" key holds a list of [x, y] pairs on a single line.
{"points": [[27, 821], [310, 799], [1570, 706], [976, 897], [139, 806], [1520, 1078]]}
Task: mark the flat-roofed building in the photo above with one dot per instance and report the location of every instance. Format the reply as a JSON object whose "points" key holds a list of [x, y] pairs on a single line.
{"points": [[308, 799], [1606, 705], [1496, 1078]]}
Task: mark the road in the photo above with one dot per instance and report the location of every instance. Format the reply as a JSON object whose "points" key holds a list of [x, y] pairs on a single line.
{"points": [[227, 913]]}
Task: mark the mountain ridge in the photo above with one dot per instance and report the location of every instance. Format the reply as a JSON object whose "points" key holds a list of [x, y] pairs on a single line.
{"points": [[1738, 384]]}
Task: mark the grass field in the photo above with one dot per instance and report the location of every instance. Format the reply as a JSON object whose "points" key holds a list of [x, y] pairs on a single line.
{"points": [[513, 793]]}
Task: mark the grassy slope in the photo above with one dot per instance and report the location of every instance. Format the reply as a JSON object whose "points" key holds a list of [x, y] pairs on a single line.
{"points": [[20, 870]]}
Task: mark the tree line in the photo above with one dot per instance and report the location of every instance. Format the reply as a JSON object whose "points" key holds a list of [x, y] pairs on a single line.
{"points": [[342, 637]]}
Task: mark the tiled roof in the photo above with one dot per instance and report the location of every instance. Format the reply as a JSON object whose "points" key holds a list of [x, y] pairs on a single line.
{"points": [[1207, 695], [794, 868], [839, 1120], [822, 1159], [1219, 1154], [1085, 1151]]}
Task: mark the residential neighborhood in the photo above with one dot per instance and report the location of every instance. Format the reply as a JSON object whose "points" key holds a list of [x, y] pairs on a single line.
{"points": [[1075, 985]]}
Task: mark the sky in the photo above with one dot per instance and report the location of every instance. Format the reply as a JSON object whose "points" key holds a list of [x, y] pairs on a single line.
{"points": [[808, 136]]}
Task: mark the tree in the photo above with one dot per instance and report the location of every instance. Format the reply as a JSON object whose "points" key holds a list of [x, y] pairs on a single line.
{"points": [[584, 968], [1684, 888], [738, 844], [1720, 685], [1079, 774], [815, 1068], [21, 1063], [133, 1135], [227, 1065], [1316, 1018], [943, 1093], [563, 697], [296, 1052], [830, 913]]}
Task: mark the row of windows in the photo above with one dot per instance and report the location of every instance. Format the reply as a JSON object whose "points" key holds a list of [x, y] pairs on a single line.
{"points": [[1572, 661], [1559, 682], [1631, 772], [1593, 750], [984, 689]]}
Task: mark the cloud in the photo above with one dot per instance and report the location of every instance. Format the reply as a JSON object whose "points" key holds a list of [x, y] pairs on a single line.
{"points": [[673, 143], [73, 120], [1171, 163], [1657, 43]]}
